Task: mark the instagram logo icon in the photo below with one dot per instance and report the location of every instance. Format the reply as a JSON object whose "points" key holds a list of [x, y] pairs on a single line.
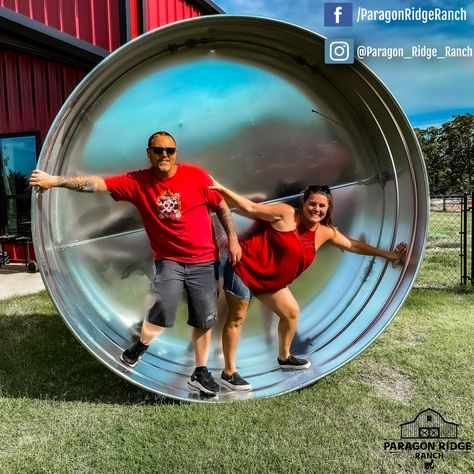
{"points": [[339, 51]]}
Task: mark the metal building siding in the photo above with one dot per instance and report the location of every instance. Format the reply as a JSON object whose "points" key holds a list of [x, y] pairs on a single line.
{"points": [[95, 21], [162, 12], [32, 90], [134, 28]]}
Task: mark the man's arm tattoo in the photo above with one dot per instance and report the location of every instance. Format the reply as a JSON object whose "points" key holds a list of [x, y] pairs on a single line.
{"points": [[225, 218], [83, 184]]}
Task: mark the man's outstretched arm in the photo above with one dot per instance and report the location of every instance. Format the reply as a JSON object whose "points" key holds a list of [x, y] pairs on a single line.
{"points": [[85, 184]]}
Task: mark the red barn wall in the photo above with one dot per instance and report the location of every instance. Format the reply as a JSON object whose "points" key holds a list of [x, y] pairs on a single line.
{"points": [[32, 90], [94, 21]]}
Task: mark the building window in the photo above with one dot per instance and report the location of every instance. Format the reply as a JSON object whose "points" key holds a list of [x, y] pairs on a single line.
{"points": [[429, 418], [18, 155]]}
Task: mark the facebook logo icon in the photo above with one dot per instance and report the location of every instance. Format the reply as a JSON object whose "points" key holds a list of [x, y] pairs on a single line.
{"points": [[338, 14]]}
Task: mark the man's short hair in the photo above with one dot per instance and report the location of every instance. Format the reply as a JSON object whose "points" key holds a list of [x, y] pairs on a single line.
{"points": [[161, 132]]}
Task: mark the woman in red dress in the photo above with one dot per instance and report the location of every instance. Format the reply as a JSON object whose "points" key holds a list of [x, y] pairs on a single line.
{"points": [[283, 246]]}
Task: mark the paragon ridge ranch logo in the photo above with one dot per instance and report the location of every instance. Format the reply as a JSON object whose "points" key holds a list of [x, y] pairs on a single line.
{"points": [[428, 437]]}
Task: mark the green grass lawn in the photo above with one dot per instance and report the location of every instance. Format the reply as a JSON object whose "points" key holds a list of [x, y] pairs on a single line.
{"points": [[61, 411]]}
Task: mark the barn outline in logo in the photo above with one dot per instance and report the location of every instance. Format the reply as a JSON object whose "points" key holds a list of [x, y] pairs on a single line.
{"points": [[429, 424]]}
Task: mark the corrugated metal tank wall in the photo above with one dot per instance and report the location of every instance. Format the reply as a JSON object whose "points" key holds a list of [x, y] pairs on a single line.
{"points": [[32, 90], [95, 21]]}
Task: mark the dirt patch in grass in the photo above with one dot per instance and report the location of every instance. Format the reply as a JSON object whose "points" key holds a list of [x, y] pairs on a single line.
{"points": [[389, 381], [404, 338]]}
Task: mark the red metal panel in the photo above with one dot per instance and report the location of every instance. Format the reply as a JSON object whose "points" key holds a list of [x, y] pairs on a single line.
{"points": [[180, 10], [12, 94], [40, 90], [38, 11], [10, 4], [172, 10], [18, 252], [190, 11], [54, 94], [67, 16], [86, 21], [151, 10], [32, 90], [134, 29], [100, 24], [3, 93], [113, 23], [24, 7], [95, 21], [162, 12], [52, 16], [26, 97]]}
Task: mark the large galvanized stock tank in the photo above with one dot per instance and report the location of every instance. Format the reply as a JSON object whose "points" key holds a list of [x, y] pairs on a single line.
{"points": [[251, 100]]}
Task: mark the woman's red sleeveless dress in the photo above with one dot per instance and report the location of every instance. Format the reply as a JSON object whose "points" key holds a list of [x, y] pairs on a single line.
{"points": [[272, 259]]}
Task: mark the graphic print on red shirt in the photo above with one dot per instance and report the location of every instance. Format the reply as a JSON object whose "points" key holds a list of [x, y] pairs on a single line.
{"points": [[169, 205]]}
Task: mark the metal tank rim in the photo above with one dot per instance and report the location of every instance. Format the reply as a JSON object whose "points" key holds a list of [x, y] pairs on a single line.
{"points": [[236, 22]]}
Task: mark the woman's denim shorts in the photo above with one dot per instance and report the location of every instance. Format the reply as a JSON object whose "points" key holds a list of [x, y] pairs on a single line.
{"points": [[233, 283]]}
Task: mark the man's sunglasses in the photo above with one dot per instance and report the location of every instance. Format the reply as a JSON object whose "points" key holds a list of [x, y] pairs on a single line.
{"points": [[158, 150]]}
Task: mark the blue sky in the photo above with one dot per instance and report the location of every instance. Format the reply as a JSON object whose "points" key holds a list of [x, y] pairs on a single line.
{"points": [[430, 91], [19, 154]]}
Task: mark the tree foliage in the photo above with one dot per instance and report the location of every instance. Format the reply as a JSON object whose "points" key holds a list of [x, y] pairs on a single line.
{"points": [[449, 155]]}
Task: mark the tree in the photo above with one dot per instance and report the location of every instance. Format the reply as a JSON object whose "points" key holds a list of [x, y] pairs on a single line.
{"points": [[458, 139], [435, 158], [449, 155]]}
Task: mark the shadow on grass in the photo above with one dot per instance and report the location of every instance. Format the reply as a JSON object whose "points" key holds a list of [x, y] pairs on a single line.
{"points": [[42, 359]]}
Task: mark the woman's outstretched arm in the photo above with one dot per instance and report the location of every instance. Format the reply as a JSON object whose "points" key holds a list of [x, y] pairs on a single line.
{"points": [[248, 208], [396, 255]]}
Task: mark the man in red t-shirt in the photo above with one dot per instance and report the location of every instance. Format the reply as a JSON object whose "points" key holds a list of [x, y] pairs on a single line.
{"points": [[174, 200]]}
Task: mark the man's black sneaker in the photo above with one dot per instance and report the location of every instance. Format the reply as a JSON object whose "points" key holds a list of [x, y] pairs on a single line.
{"points": [[202, 380], [132, 355], [235, 382], [294, 363]]}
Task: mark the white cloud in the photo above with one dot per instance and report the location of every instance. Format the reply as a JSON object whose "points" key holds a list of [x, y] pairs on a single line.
{"points": [[424, 89]]}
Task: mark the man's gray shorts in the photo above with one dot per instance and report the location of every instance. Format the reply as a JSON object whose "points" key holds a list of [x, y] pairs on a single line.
{"points": [[201, 283]]}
